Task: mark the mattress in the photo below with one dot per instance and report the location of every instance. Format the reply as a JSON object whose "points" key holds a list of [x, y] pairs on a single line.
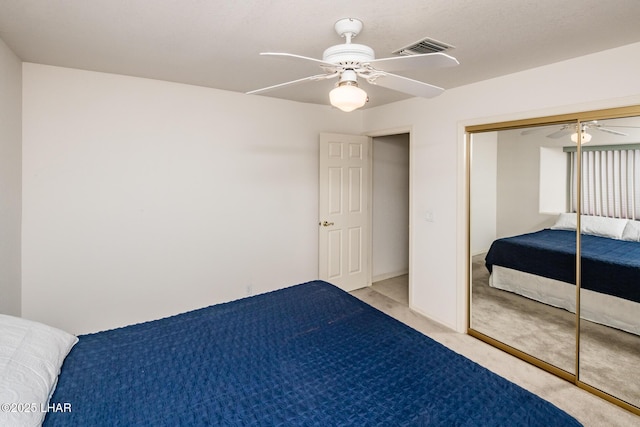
{"points": [[600, 308], [309, 355], [609, 266]]}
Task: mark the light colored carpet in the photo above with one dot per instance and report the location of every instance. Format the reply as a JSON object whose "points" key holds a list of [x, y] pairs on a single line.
{"points": [[396, 288], [587, 408], [609, 358]]}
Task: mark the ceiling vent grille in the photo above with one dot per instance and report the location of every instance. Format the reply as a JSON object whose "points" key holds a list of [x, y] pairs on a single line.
{"points": [[423, 46]]}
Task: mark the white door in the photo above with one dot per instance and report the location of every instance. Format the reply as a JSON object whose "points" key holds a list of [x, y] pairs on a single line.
{"points": [[344, 210]]}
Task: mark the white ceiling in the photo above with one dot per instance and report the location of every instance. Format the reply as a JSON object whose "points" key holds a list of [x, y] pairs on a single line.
{"points": [[216, 43]]}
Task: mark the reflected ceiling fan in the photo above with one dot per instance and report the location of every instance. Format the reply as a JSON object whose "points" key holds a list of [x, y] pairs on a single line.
{"points": [[572, 129], [348, 61]]}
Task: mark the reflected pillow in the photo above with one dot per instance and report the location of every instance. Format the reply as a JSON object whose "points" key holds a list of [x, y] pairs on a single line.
{"points": [[565, 221], [594, 225], [632, 231], [31, 355], [603, 226]]}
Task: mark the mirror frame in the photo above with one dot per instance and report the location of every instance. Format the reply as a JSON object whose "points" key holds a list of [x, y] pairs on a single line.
{"points": [[578, 117]]}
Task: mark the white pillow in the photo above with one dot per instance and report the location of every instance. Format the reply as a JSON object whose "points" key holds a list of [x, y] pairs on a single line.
{"points": [[632, 231], [565, 221], [603, 226], [595, 225], [31, 355]]}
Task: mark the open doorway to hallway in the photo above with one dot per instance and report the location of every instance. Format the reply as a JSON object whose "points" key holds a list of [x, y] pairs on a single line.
{"points": [[390, 216]]}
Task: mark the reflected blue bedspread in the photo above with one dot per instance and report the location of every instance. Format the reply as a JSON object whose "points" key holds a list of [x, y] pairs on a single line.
{"points": [[308, 355], [609, 266]]}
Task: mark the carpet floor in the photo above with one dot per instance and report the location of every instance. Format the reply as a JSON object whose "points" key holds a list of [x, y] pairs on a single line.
{"points": [[589, 409], [609, 358]]}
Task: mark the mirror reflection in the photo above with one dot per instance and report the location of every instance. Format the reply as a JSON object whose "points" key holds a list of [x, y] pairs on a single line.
{"points": [[610, 258], [519, 187], [527, 188]]}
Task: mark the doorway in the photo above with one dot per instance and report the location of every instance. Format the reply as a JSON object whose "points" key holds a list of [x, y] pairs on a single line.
{"points": [[390, 216]]}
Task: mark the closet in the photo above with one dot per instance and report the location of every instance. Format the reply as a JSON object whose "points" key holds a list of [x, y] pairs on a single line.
{"points": [[558, 298]]}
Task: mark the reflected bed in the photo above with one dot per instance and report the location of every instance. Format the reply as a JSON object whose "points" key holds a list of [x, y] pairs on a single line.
{"points": [[542, 266]]}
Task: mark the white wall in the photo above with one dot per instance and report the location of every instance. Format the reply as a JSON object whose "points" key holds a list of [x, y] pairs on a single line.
{"points": [[145, 198], [483, 197], [390, 206], [10, 179], [519, 182], [605, 79], [553, 197], [506, 184]]}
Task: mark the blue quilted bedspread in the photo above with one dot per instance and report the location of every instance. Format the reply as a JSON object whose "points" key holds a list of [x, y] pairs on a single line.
{"points": [[308, 355], [609, 266]]}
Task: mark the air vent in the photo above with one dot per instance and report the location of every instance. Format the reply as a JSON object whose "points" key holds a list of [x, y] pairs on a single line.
{"points": [[423, 46]]}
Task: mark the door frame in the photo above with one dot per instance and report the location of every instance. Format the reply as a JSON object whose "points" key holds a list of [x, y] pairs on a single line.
{"points": [[389, 132]]}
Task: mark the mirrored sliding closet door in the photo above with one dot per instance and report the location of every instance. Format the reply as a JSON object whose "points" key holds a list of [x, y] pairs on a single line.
{"points": [[518, 187], [610, 257], [564, 300]]}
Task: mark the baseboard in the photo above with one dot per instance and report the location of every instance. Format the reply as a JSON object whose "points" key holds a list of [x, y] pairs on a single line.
{"points": [[386, 276]]}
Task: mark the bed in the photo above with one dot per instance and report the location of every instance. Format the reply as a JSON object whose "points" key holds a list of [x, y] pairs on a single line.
{"points": [[542, 266], [309, 354]]}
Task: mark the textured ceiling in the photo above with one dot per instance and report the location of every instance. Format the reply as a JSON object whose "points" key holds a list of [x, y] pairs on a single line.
{"points": [[216, 43]]}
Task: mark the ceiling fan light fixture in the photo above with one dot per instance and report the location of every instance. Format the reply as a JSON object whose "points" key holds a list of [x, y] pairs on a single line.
{"points": [[586, 137], [347, 96]]}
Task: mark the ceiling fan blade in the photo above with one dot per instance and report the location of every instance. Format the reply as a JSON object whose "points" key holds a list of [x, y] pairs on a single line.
{"points": [[620, 126], [406, 85], [411, 62], [559, 126], [299, 58], [293, 82], [615, 132], [564, 131]]}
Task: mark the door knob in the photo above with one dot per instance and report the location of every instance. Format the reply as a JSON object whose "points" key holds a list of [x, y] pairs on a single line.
{"points": [[326, 223]]}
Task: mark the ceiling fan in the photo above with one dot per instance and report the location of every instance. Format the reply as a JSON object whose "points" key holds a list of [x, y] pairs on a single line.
{"points": [[572, 129], [348, 61]]}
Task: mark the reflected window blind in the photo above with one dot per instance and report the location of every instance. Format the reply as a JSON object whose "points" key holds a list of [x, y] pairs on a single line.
{"points": [[610, 183]]}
